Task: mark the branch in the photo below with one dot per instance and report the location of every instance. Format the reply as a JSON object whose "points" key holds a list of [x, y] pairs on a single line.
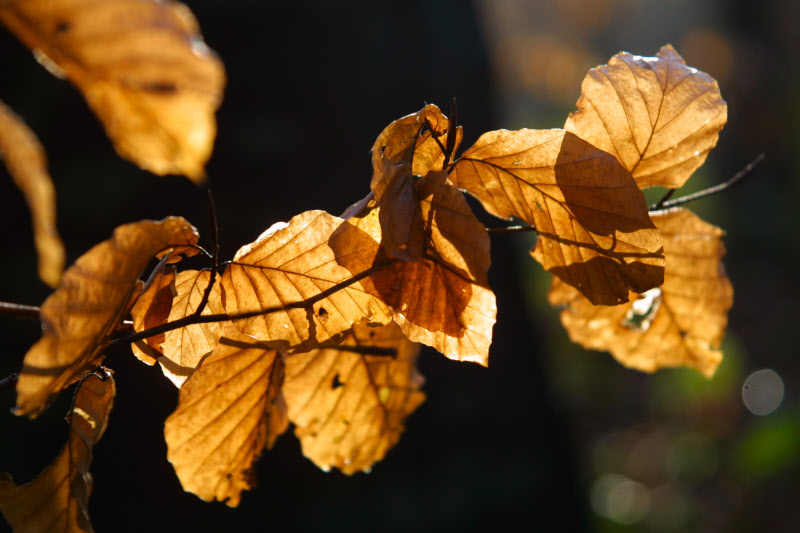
{"points": [[8, 382], [29, 312]]}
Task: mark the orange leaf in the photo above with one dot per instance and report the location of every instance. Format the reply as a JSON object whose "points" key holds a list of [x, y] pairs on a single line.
{"points": [[58, 498], [227, 412], [95, 294], [594, 230], [26, 162], [151, 309], [349, 408], [142, 67], [657, 115], [679, 324]]}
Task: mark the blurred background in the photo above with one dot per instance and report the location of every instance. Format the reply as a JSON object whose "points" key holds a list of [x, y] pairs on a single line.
{"points": [[550, 437]]}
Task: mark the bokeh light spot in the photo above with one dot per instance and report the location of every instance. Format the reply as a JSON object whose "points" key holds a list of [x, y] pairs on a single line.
{"points": [[762, 392]]}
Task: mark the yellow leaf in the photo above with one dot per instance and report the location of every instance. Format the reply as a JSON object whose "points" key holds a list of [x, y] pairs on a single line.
{"points": [[95, 294], [227, 412], [349, 408], [58, 498], [142, 67], [26, 162], [151, 309], [680, 323], [594, 230], [657, 115]]}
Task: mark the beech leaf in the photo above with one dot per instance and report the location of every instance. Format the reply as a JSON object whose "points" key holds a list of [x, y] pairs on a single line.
{"points": [[142, 67], [594, 229], [58, 498], [95, 294], [680, 323], [152, 308], [657, 115], [349, 408], [26, 163], [228, 411]]}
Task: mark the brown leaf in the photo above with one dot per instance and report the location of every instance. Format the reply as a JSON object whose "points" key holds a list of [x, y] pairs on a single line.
{"points": [[27, 165], [679, 324], [594, 230], [58, 498], [657, 115], [151, 309], [273, 278], [142, 67], [228, 410], [349, 408], [95, 294]]}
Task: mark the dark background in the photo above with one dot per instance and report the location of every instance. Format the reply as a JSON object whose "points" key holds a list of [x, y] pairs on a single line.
{"points": [[524, 444]]}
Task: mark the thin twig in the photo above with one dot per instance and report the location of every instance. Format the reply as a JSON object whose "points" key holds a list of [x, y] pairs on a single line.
{"points": [[510, 229], [29, 312], [9, 382]]}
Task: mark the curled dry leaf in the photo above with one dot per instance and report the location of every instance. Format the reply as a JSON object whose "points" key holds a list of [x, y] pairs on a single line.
{"points": [[657, 115], [142, 67], [25, 159], [289, 291], [58, 498], [228, 411], [95, 294], [594, 230], [349, 408], [678, 324], [151, 309]]}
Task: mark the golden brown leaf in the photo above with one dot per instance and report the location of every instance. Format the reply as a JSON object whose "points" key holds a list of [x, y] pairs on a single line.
{"points": [[142, 67], [151, 309], [272, 279], [679, 324], [95, 294], [657, 115], [27, 165], [228, 410], [594, 230], [58, 498], [349, 408]]}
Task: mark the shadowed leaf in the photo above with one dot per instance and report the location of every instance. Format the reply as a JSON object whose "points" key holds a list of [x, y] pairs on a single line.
{"points": [[228, 411], [151, 309], [142, 67], [25, 159], [657, 115], [594, 230], [58, 498], [95, 294], [349, 408], [679, 324]]}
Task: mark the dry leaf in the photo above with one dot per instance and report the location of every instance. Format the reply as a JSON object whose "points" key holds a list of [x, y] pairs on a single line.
{"points": [[58, 498], [349, 408], [594, 230], [27, 165], [657, 115], [678, 324], [151, 309], [142, 67], [95, 294], [227, 412], [271, 280]]}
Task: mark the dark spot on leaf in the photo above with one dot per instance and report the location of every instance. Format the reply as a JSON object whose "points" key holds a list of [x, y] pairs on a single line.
{"points": [[336, 383], [322, 312], [63, 27], [372, 334], [162, 87]]}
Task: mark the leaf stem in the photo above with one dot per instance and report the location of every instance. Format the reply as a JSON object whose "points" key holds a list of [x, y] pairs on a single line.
{"points": [[28, 312], [9, 382], [509, 229]]}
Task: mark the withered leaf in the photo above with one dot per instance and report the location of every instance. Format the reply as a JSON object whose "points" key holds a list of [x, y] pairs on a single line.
{"points": [[142, 67], [680, 323], [349, 408], [58, 498], [95, 294], [594, 230], [26, 162], [228, 411], [657, 115], [272, 279], [151, 309]]}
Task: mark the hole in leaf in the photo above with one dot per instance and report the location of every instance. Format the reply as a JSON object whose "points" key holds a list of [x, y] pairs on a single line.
{"points": [[642, 312], [336, 382]]}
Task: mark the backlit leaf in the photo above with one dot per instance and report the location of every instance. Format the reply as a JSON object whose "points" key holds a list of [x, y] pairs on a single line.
{"points": [[142, 67], [58, 498], [678, 324], [95, 294], [349, 408], [657, 115], [151, 309], [594, 230], [228, 411]]}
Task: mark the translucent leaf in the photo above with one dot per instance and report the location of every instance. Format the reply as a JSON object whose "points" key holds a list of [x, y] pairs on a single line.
{"points": [[594, 230], [151, 309], [657, 115], [142, 67], [679, 324]]}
